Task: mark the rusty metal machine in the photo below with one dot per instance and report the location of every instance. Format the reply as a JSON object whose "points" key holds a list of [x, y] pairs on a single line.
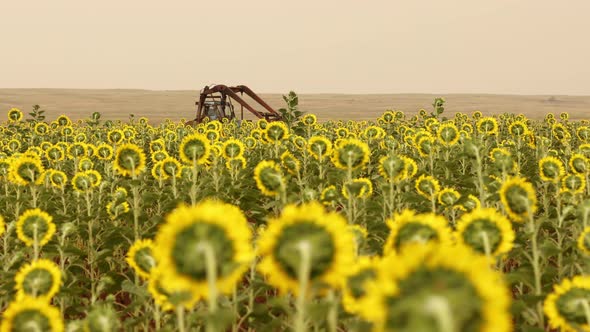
{"points": [[217, 102]]}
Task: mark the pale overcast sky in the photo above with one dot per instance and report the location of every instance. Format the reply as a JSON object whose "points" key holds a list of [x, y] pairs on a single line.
{"points": [[310, 46]]}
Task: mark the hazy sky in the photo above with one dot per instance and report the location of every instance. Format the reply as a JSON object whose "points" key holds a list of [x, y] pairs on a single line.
{"points": [[310, 46]]}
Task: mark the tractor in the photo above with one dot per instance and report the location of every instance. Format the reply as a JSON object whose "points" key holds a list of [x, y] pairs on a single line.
{"points": [[217, 102]]}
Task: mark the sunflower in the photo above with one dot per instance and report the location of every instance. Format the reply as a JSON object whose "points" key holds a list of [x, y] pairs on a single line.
{"points": [[233, 148], [470, 203], [319, 147], [567, 305], [41, 128], [306, 240], [578, 163], [168, 299], [309, 119], [158, 156], [104, 152], [373, 133], [584, 241], [448, 134], [31, 220], [518, 128], [31, 315], [129, 160], [115, 209], [195, 149], [63, 120], [574, 183], [77, 150], [519, 199], [486, 231], [354, 292], [170, 167], [2, 226], [101, 318], [57, 179], [329, 195], [238, 163], [551, 169], [85, 164], [290, 162], [141, 257], [82, 182], [157, 145], [277, 131], [427, 186], [410, 166], [408, 227], [40, 279], [487, 126], [560, 132], [437, 287], [358, 188], [15, 115], [425, 145], [392, 168], [54, 153], [448, 197], [342, 132], [269, 178], [26, 170], [351, 154], [211, 233], [583, 133]]}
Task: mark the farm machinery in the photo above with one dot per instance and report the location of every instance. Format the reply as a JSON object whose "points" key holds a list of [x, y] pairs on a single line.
{"points": [[217, 102]]}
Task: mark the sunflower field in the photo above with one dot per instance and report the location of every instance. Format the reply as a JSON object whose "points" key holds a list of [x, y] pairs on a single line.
{"points": [[407, 223]]}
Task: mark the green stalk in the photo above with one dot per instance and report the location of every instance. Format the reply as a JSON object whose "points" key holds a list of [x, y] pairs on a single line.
{"points": [[303, 276], [211, 263]]}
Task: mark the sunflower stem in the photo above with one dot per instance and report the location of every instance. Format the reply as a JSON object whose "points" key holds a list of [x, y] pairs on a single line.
{"points": [[211, 264], [332, 312], [486, 244], [536, 266], [35, 243], [180, 318], [439, 308], [303, 276]]}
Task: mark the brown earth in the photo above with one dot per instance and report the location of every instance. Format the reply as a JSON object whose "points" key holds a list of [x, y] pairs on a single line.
{"points": [[159, 105]]}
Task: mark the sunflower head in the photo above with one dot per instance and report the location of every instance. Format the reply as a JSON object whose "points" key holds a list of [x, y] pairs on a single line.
{"points": [[487, 126], [269, 178], [276, 131], [486, 231], [573, 183], [309, 119], [101, 318], [26, 170], [329, 195], [171, 167], [518, 128], [54, 153], [141, 257], [551, 169], [429, 287], [392, 168], [290, 162], [319, 147], [210, 233], [130, 160], [195, 149], [57, 179], [519, 198], [566, 305], [35, 224], [232, 148], [351, 154], [578, 163], [15, 115], [448, 197], [427, 186], [358, 188], [306, 239], [30, 314], [363, 271], [169, 299], [448, 134], [408, 227], [39, 279]]}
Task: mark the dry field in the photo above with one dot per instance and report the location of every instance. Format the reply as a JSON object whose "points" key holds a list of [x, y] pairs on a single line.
{"points": [[159, 105]]}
